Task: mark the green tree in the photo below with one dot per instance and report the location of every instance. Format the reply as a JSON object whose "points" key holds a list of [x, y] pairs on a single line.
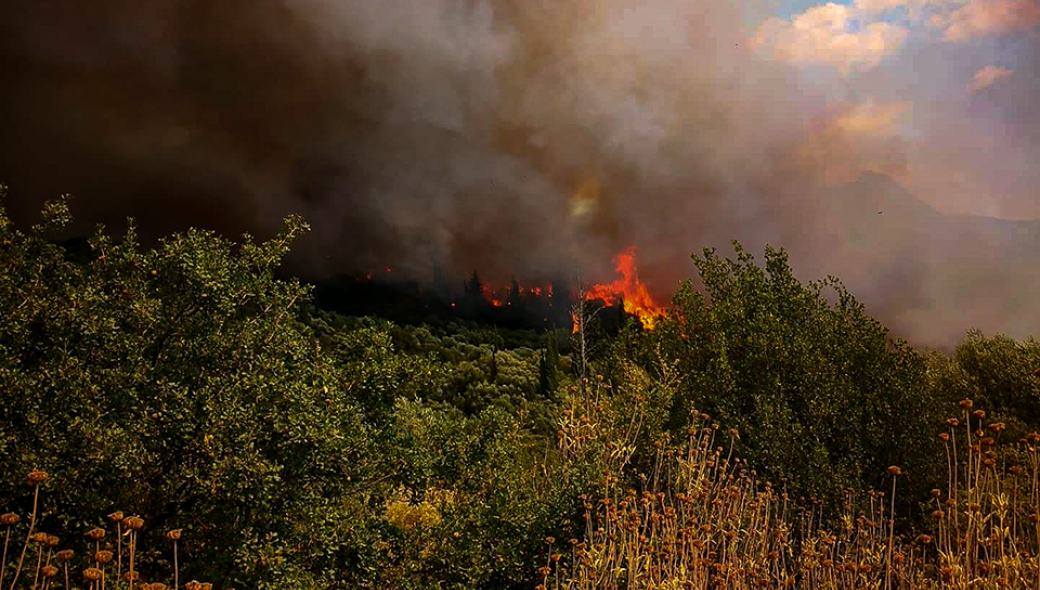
{"points": [[549, 364], [820, 394], [1000, 374], [178, 383]]}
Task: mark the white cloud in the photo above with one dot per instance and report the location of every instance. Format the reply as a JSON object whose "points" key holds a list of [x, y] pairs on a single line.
{"points": [[989, 75], [979, 18], [880, 5], [825, 35]]}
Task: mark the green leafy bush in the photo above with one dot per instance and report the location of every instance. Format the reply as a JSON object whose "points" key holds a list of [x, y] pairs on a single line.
{"points": [[822, 398]]}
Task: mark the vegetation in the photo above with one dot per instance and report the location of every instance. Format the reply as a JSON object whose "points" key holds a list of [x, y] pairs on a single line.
{"points": [[766, 433]]}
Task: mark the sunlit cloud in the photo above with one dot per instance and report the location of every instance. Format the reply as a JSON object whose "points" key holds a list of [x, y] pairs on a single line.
{"points": [[826, 35], [857, 137], [988, 76], [859, 36], [980, 18], [873, 118]]}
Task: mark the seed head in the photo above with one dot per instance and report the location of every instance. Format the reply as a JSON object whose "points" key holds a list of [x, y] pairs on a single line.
{"points": [[9, 519], [944, 436], [966, 404], [36, 477], [40, 538], [103, 557], [49, 571], [174, 535], [66, 555], [132, 576], [116, 516], [895, 471], [92, 574], [134, 523], [96, 534], [952, 422], [52, 541]]}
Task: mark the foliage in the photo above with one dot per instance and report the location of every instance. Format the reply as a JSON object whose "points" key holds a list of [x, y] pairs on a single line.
{"points": [[186, 384], [503, 500], [177, 383], [819, 393], [998, 372]]}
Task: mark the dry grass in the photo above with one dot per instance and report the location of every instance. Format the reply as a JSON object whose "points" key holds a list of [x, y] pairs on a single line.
{"points": [[107, 562], [702, 519]]}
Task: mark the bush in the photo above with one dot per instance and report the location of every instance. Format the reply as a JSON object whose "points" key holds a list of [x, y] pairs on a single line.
{"points": [[821, 396], [178, 383]]}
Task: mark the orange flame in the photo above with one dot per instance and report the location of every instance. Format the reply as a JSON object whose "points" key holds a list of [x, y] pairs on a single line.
{"points": [[499, 296], [629, 291]]}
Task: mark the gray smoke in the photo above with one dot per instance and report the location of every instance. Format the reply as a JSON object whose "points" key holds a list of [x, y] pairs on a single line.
{"points": [[517, 137]]}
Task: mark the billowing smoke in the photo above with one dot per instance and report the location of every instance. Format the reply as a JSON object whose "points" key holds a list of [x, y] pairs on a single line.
{"points": [[519, 137]]}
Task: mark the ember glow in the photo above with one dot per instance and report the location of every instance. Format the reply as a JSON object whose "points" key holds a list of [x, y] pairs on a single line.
{"points": [[628, 291], [503, 296]]}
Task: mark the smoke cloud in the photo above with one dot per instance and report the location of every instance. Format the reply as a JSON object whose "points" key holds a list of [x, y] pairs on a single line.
{"points": [[536, 138]]}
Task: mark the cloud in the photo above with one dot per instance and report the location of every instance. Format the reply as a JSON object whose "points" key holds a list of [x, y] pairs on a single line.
{"points": [[873, 118], [915, 9], [879, 5], [856, 137], [979, 18], [825, 35], [989, 75], [959, 20]]}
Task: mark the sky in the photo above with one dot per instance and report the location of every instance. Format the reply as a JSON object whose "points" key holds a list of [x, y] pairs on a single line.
{"points": [[953, 80], [528, 137]]}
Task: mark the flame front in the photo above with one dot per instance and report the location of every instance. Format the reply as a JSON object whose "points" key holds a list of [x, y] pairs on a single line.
{"points": [[628, 291]]}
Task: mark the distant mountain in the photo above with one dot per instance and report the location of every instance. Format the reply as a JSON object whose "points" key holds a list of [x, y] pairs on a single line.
{"points": [[928, 275]]}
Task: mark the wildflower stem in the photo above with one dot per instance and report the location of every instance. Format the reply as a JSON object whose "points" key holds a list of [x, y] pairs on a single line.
{"points": [[28, 536], [39, 564], [3, 562], [133, 546], [119, 552], [891, 536]]}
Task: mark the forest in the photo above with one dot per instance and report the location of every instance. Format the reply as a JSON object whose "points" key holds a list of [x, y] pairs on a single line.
{"points": [[182, 414]]}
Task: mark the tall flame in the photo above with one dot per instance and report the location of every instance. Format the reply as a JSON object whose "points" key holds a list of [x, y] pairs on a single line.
{"points": [[628, 291]]}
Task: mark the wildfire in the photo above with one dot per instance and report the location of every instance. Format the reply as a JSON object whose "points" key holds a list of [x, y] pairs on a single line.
{"points": [[628, 291], [503, 296]]}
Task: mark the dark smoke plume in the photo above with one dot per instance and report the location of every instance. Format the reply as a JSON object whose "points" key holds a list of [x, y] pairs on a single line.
{"points": [[531, 138]]}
